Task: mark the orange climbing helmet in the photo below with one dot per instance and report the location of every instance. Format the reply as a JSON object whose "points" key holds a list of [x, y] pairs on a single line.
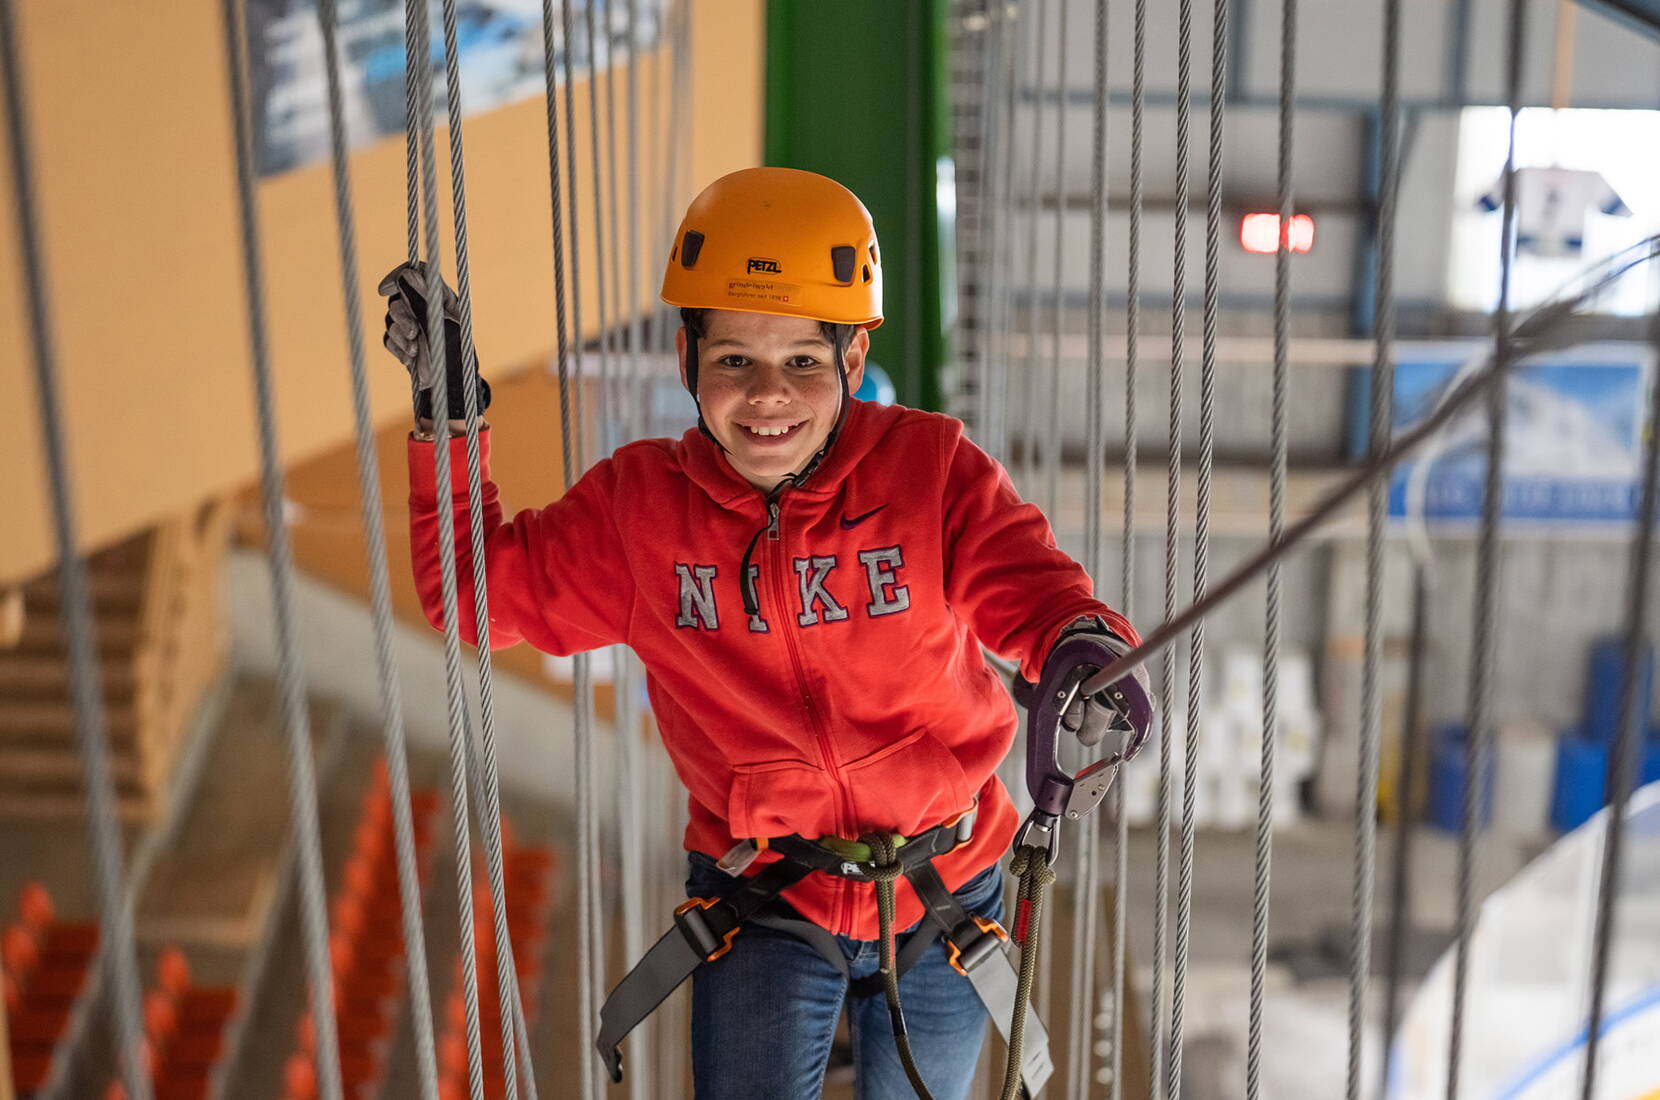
{"points": [[777, 240]]}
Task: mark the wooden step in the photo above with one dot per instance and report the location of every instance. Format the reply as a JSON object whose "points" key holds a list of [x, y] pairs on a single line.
{"points": [[44, 634], [121, 586], [33, 676], [23, 720]]}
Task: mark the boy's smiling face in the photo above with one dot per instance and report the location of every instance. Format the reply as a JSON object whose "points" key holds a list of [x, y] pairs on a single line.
{"points": [[767, 385]]}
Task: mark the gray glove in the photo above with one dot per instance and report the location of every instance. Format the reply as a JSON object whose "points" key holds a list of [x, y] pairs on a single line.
{"points": [[1091, 719], [406, 339]]}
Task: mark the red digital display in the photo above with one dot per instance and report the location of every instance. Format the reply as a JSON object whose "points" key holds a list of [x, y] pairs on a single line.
{"points": [[1261, 233]]}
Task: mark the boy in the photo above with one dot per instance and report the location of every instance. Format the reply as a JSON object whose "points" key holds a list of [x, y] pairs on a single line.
{"points": [[808, 580]]}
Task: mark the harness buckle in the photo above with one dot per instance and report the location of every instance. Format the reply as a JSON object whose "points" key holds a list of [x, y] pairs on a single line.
{"points": [[738, 857], [979, 948], [689, 918]]}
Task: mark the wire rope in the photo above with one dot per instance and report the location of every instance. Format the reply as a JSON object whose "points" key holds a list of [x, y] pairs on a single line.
{"points": [[605, 311], [1052, 445], [1201, 535], [998, 398], [489, 809], [116, 949], [1622, 765], [1029, 315], [290, 671], [622, 311], [1478, 742], [1132, 337], [986, 219], [380, 598], [1083, 1001], [418, 41], [630, 758], [1166, 1070], [1382, 400], [1263, 853]]}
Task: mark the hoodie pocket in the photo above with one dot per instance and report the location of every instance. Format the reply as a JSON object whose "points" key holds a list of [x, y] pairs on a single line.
{"points": [[909, 786], [780, 797]]}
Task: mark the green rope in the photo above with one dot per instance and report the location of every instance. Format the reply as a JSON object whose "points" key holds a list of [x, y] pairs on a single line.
{"points": [[883, 870], [1032, 865]]}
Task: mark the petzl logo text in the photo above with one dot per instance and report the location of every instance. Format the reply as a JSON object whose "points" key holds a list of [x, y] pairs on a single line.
{"points": [[756, 263]]}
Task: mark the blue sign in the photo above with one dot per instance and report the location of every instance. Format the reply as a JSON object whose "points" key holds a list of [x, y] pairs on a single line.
{"points": [[1573, 437]]}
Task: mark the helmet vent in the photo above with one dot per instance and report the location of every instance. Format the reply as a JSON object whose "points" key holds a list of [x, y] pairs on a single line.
{"points": [[690, 247], [867, 272], [873, 257], [842, 257]]}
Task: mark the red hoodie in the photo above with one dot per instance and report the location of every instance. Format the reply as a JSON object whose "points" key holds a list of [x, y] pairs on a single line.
{"points": [[858, 698]]}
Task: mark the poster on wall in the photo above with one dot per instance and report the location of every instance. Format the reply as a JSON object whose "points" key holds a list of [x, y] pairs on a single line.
{"points": [[1574, 431], [498, 42]]}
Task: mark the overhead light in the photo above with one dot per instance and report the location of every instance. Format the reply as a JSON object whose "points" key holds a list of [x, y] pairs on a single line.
{"points": [[1260, 232]]}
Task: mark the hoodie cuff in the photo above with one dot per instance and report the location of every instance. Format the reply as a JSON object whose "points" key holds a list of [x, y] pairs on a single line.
{"points": [[423, 475]]}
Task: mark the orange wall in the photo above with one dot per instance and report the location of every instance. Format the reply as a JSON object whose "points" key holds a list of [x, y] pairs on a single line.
{"points": [[135, 179]]}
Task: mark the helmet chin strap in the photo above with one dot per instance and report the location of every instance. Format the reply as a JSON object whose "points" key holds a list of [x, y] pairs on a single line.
{"points": [[844, 401]]}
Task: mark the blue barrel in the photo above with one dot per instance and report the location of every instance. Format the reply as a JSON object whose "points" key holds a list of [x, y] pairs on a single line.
{"points": [[1602, 687], [1445, 806], [1581, 779]]}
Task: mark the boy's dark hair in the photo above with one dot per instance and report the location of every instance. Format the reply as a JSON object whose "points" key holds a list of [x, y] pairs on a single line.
{"points": [[838, 335]]}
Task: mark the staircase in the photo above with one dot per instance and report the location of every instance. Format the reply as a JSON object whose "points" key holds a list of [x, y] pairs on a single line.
{"points": [[160, 642]]}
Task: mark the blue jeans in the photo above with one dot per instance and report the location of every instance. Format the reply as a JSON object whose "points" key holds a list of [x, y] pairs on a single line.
{"points": [[764, 1014]]}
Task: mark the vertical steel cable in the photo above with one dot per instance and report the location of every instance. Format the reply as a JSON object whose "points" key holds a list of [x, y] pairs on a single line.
{"points": [[622, 309], [998, 398], [606, 308], [290, 672], [1478, 745], [1083, 1000], [1382, 402], [489, 809], [1052, 448], [116, 951], [414, 66], [1263, 865], [1132, 337], [1201, 534], [418, 46], [636, 315], [1623, 764], [628, 718], [567, 428], [1034, 212], [380, 591], [1172, 506], [587, 764], [987, 220]]}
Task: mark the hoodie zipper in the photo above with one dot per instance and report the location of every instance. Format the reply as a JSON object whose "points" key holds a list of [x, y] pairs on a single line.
{"points": [[775, 542]]}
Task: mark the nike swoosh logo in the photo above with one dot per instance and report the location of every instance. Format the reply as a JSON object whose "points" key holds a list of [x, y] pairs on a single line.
{"points": [[849, 524]]}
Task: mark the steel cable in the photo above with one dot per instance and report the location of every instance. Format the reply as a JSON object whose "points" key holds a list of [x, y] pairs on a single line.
{"points": [[1382, 402], [1083, 1001], [1052, 446], [290, 671], [1622, 764], [380, 591], [1201, 532], [418, 33], [568, 426], [620, 317], [1029, 323], [587, 764], [1479, 736], [1164, 1061], [998, 399], [117, 956], [1263, 862], [1132, 337], [489, 811]]}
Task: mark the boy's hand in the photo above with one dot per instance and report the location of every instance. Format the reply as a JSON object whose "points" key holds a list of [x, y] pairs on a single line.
{"points": [[1129, 713], [406, 339]]}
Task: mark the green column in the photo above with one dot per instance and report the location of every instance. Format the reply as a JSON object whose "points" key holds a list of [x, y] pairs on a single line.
{"points": [[856, 90]]}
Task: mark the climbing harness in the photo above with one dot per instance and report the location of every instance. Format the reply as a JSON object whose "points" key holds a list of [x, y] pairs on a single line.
{"points": [[705, 927]]}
